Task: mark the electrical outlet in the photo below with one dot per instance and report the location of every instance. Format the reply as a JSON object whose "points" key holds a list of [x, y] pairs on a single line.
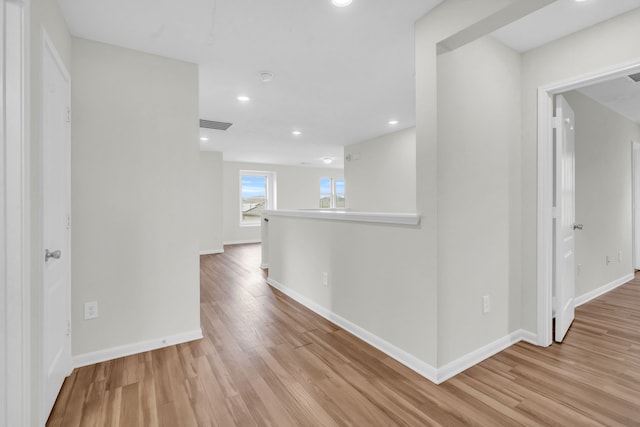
{"points": [[607, 261], [90, 310], [619, 256], [486, 304], [325, 279]]}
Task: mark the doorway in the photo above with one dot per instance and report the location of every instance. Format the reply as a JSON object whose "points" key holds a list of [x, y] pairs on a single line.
{"points": [[547, 246]]}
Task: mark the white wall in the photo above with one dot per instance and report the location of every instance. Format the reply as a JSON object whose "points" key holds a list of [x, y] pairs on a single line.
{"points": [[135, 197], [603, 192], [441, 188], [478, 142], [211, 211], [385, 279], [599, 47], [298, 187], [381, 175], [375, 278], [45, 16]]}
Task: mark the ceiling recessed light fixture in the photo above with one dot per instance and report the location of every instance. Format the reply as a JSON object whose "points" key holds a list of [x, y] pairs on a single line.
{"points": [[393, 122], [296, 132], [341, 3], [243, 98], [204, 138], [327, 160]]}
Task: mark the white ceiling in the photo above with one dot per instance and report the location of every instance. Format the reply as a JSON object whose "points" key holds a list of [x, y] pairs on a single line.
{"points": [[340, 74], [621, 95]]}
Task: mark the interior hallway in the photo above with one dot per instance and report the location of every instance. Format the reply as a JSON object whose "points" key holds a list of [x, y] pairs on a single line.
{"points": [[266, 360]]}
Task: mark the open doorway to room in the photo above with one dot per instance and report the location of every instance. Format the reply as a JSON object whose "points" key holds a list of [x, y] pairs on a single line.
{"points": [[586, 215]]}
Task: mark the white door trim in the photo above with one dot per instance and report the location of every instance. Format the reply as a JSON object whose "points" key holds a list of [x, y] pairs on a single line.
{"points": [[15, 360], [545, 184]]}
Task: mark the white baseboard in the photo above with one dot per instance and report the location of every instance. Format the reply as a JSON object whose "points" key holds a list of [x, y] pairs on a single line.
{"points": [[242, 242], [529, 337], [434, 375], [463, 363], [410, 361], [135, 348], [212, 251], [583, 299]]}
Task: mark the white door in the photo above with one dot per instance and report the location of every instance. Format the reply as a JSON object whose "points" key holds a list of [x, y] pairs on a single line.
{"points": [[565, 217], [56, 224]]}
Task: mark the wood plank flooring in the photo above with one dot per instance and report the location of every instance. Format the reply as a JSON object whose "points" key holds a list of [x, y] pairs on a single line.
{"points": [[267, 361]]}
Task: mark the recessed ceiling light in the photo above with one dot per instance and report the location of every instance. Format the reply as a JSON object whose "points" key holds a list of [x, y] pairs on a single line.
{"points": [[341, 3], [327, 160], [204, 138], [296, 132], [243, 98], [393, 122]]}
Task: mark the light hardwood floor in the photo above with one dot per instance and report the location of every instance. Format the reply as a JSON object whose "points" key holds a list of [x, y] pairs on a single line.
{"points": [[267, 361]]}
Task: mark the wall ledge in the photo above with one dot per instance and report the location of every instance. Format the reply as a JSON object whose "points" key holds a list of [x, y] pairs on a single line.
{"points": [[212, 251], [241, 242], [345, 215]]}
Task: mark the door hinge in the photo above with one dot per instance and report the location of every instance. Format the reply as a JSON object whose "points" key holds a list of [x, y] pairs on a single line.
{"points": [[68, 114], [555, 122], [68, 328], [68, 221]]}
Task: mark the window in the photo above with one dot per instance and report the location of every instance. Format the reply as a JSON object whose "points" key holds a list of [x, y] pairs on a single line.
{"points": [[331, 193], [256, 194], [339, 193], [326, 193]]}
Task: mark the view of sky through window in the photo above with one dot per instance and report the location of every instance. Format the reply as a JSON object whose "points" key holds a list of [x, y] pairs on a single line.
{"points": [[254, 186], [254, 197]]}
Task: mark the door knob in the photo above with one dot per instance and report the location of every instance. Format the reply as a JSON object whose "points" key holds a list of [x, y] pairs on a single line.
{"points": [[577, 226], [54, 255]]}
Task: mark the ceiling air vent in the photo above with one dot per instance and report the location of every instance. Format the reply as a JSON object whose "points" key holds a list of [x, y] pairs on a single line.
{"points": [[635, 77], [210, 124]]}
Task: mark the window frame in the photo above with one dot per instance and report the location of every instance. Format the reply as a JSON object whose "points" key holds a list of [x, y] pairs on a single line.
{"points": [[333, 197], [270, 194]]}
